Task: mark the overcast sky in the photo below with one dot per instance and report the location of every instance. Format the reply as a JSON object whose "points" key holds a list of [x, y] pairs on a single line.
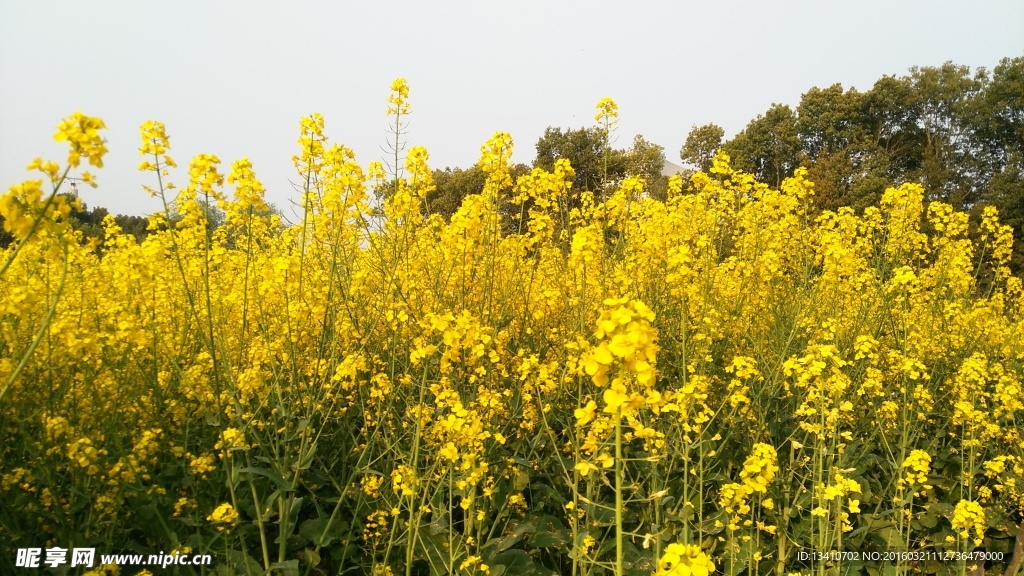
{"points": [[234, 78]]}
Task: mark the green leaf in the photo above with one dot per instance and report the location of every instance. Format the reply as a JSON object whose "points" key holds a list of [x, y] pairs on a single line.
{"points": [[599, 516], [434, 548], [637, 562], [688, 512], [518, 533], [547, 540], [243, 563], [297, 432], [544, 491], [307, 457], [268, 473], [522, 480], [550, 533], [270, 505], [930, 519], [439, 524], [514, 562], [310, 556], [313, 531], [575, 552], [293, 512], [286, 568]]}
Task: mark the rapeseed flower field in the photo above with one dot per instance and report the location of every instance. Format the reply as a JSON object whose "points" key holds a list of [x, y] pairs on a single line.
{"points": [[723, 382]]}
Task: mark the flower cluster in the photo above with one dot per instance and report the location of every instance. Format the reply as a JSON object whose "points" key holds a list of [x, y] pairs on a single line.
{"points": [[918, 466], [684, 560], [398, 100], [968, 515], [82, 133], [540, 370]]}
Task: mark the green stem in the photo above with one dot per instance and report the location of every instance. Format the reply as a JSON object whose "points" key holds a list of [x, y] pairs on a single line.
{"points": [[618, 492], [43, 328]]}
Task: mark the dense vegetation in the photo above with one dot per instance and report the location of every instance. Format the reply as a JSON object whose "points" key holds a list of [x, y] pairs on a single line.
{"points": [[563, 372], [960, 135]]}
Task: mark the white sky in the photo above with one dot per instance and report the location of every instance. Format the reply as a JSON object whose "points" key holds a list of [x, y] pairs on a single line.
{"points": [[234, 78]]}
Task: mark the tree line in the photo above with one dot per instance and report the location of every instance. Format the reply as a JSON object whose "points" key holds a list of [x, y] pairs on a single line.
{"points": [[959, 133]]}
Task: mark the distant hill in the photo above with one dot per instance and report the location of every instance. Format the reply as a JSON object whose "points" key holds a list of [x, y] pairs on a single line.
{"points": [[671, 169]]}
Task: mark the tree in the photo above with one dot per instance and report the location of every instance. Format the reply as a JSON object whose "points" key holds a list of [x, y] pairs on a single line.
{"points": [[451, 186], [647, 160], [1003, 135], [769, 146], [211, 212], [89, 222], [137, 226], [843, 158], [828, 120], [948, 104], [855, 175], [889, 118], [701, 144], [584, 148], [1004, 107], [6, 238], [958, 133]]}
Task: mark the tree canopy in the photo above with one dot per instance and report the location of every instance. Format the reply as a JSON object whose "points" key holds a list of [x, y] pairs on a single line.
{"points": [[958, 133]]}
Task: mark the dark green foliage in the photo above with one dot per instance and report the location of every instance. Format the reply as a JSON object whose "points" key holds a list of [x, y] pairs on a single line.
{"points": [[769, 147], [597, 171], [960, 135], [584, 148], [701, 145], [647, 160], [90, 224], [6, 238]]}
